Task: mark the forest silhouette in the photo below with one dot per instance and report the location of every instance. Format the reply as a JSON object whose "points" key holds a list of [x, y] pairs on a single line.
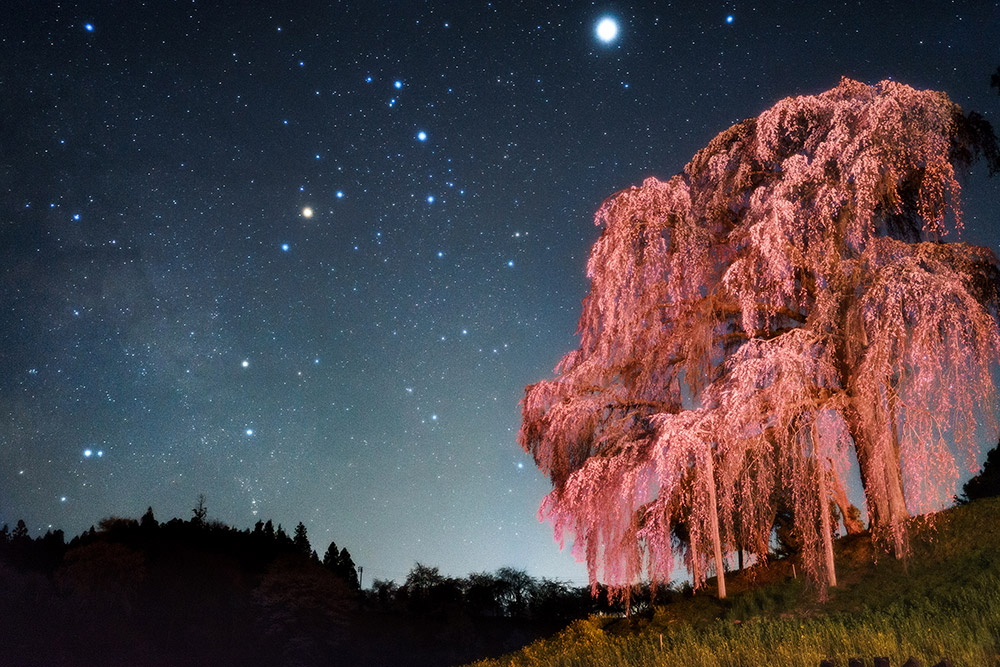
{"points": [[143, 592]]}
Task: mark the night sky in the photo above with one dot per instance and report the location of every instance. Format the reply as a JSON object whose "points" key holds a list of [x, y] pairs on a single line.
{"points": [[304, 257]]}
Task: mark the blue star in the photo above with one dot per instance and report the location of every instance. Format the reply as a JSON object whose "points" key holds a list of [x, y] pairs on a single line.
{"points": [[421, 136], [430, 199], [397, 85], [89, 27], [729, 19], [284, 246]]}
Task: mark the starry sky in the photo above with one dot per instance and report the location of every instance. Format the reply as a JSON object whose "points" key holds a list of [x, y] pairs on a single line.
{"points": [[304, 257]]}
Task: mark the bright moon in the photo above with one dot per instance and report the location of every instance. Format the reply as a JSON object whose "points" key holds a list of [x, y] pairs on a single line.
{"points": [[307, 212], [607, 30]]}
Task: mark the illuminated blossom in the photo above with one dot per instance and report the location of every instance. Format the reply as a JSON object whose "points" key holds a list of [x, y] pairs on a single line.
{"points": [[782, 306]]}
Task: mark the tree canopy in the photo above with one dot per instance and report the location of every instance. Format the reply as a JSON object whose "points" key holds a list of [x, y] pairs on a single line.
{"points": [[986, 483], [782, 306]]}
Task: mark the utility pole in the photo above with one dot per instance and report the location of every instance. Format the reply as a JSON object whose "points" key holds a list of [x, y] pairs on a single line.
{"points": [[361, 572]]}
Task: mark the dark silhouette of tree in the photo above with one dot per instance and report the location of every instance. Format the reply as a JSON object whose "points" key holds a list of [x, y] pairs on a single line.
{"points": [[148, 521], [784, 303], [422, 578], [339, 562], [482, 594], [117, 525], [200, 511], [554, 601], [426, 590], [385, 592], [986, 483], [347, 570], [20, 534], [514, 590], [282, 537], [331, 559], [269, 530], [301, 540]]}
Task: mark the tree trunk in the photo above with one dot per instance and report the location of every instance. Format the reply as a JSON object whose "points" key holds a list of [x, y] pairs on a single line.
{"points": [[720, 572], [695, 569], [824, 522], [882, 480], [894, 477], [881, 475]]}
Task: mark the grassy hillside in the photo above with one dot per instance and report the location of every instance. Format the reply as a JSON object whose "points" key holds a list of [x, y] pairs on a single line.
{"points": [[944, 601]]}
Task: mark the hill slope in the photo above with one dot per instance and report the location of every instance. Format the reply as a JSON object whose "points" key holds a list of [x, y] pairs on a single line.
{"points": [[944, 601]]}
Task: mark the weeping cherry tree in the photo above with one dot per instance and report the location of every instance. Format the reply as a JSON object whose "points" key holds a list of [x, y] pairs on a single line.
{"points": [[784, 306]]}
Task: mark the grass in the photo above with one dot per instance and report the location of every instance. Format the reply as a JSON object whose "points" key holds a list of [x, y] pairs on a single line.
{"points": [[943, 601]]}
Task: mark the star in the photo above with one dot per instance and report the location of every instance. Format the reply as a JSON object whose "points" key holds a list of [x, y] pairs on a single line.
{"points": [[607, 29], [421, 136], [307, 212]]}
